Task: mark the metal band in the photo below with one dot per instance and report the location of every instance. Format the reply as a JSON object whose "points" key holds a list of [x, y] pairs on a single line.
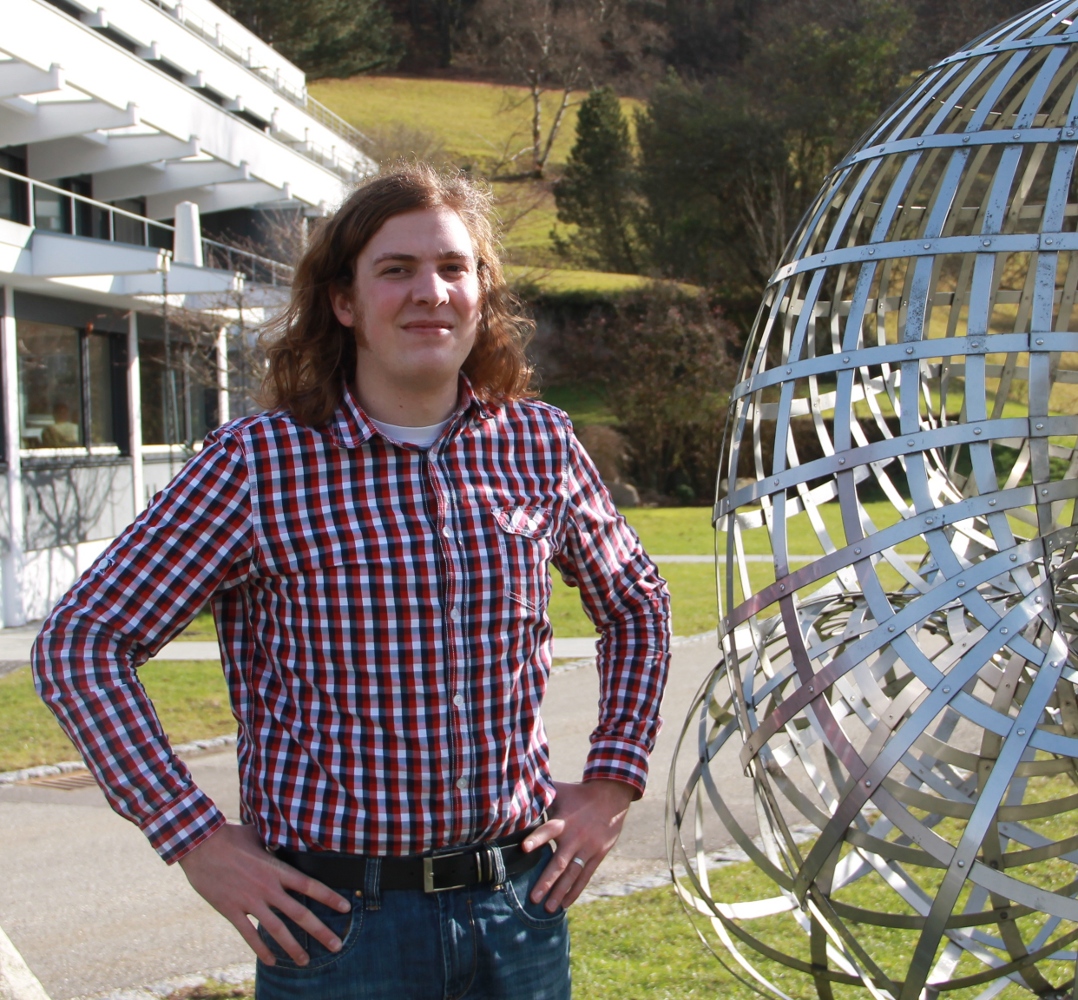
{"points": [[901, 465]]}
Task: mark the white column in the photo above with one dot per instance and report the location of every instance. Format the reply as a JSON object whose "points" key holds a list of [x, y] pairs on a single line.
{"points": [[134, 416], [187, 240], [14, 609], [222, 375]]}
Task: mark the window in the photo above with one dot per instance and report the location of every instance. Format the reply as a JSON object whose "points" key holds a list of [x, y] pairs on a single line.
{"points": [[81, 218], [50, 210], [58, 213], [13, 193], [72, 387], [179, 398], [126, 229]]}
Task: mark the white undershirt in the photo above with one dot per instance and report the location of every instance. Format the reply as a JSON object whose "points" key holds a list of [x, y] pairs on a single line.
{"points": [[421, 437]]}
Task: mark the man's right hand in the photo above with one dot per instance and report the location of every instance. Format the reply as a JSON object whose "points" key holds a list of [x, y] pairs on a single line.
{"points": [[237, 876]]}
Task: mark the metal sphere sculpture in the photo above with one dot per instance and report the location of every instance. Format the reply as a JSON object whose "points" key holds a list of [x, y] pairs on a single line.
{"points": [[897, 542]]}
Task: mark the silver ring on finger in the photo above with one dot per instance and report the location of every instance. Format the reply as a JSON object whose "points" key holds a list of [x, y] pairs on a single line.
{"points": [[580, 861]]}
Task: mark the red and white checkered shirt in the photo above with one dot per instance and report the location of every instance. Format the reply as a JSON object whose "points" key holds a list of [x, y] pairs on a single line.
{"points": [[382, 617]]}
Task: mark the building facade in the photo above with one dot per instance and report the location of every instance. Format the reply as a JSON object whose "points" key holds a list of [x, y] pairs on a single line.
{"points": [[129, 136]]}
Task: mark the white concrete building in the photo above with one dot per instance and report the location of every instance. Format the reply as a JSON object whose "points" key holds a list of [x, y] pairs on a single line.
{"points": [[128, 134]]}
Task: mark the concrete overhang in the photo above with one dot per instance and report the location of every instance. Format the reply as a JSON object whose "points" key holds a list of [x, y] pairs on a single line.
{"points": [[122, 269], [97, 152], [166, 178], [36, 122], [58, 255], [18, 78]]}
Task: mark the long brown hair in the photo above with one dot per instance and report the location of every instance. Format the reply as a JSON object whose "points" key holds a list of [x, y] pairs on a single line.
{"points": [[311, 354]]}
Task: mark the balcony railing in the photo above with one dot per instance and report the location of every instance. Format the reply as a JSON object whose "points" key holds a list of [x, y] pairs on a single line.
{"points": [[57, 210], [335, 123], [242, 54], [255, 268]]}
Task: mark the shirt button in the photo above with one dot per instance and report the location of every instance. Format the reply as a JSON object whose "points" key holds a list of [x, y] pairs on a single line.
{"points": [[459, 701], [447, 531], [455, 615], [462, 783]]}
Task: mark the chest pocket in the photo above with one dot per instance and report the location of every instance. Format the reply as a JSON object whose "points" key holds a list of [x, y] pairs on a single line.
{"points": [[526, 546]]}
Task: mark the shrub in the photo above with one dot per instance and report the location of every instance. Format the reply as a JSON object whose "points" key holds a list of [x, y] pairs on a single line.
{"points": [[662, 356]]}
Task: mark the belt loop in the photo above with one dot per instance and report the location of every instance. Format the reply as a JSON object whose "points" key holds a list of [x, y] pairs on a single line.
{"points": [[372, 884], [497, 864]]}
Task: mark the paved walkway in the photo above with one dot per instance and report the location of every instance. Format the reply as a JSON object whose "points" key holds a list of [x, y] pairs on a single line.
{"points": [[92, 909]]}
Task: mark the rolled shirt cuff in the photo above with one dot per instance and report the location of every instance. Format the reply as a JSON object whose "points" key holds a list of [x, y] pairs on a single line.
{"points": [[618, 760], [184, 824]]}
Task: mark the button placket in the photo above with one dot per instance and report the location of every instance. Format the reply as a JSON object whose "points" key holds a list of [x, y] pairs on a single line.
{"points": [[455, 579]]}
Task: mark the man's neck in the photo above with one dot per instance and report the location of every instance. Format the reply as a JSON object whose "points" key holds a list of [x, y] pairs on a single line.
{"points": [[407, 407]]}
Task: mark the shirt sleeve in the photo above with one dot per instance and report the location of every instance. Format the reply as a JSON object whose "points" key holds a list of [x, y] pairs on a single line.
{"points": [[194, 538], [628, 601]]}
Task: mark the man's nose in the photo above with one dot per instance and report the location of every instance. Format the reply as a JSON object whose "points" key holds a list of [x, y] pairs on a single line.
{"points": [[430, 288]]}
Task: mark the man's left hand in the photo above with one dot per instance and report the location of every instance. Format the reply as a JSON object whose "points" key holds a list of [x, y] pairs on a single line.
{"points": [[585, 820]]}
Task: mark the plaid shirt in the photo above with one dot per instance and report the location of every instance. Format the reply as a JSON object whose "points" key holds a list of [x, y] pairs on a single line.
{"points": [[381, 611]]}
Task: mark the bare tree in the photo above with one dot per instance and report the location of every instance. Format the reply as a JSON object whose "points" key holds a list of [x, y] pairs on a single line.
{"points": [[765, 197], [559, 47], [187, 359], [401, 142]]}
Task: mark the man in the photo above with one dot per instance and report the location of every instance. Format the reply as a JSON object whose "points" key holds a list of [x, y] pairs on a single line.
{"points": [[376, 550]]}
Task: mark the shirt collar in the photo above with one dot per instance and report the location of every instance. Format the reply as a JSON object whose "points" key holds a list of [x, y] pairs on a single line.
{"points": [[350, 427]]}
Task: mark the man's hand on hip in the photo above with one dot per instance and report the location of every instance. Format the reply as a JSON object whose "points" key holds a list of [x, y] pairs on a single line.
{"points": [[237, 876], [585, 820]]}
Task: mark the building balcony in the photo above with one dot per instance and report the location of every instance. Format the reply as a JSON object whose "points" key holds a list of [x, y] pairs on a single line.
{"points": [[50, 236], [139, 99]]}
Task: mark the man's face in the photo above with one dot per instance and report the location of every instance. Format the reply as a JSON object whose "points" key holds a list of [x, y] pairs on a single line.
{"points": [[414, 304]]}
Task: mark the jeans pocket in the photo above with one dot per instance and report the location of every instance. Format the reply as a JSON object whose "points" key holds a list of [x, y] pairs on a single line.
{"points": [[518, 894], [345, 925]]}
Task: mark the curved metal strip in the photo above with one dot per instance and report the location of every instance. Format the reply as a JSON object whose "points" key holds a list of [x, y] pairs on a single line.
{"points": [[914, 364]]}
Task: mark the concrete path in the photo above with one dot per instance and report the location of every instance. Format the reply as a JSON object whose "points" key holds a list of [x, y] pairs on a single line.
{"points": [[91, 908]]}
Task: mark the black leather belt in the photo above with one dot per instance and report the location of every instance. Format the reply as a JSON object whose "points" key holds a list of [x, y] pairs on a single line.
{"points": [[451, 868]]}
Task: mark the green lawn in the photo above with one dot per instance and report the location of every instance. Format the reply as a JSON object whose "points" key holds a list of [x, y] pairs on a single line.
{"points": [[585, 404], [476, 122], [190, 697], [692, 602], [527, 213], [674, 531], [544, 276]]}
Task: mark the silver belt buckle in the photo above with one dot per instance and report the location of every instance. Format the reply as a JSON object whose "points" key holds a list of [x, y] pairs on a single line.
{"points": [[428, 871]]}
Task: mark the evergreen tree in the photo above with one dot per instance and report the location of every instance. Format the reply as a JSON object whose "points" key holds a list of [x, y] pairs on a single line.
{"points": [[323, 37], [598, 190], [717, 180], [729, 165]]}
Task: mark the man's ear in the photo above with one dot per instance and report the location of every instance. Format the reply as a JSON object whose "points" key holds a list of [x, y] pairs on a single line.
{"points": [[340, 298]]}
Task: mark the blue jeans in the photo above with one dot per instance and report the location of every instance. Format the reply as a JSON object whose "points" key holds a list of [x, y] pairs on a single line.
{"points": [[481, 943]]}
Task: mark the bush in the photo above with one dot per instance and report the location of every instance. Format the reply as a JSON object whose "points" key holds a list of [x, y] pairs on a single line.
{"points": [[662, 356]]}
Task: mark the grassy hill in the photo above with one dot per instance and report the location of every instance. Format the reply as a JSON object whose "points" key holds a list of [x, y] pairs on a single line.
{"points": [[477, 122], [482, 127]]}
